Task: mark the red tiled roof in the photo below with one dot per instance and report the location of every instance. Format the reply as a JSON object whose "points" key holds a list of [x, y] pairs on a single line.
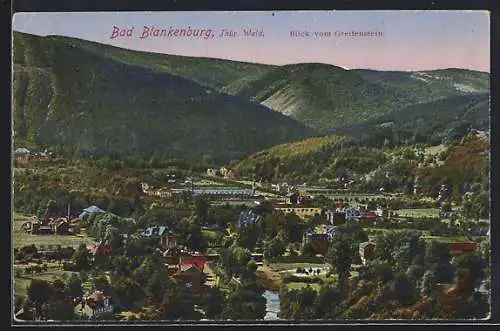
{"points": [[98, 296], [459, 248], [196, 261], [369, 214], [100, 249]]}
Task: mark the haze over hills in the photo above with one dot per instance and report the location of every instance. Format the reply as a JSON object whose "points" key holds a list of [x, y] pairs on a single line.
{"points": [[82, 102], [93, 99]]}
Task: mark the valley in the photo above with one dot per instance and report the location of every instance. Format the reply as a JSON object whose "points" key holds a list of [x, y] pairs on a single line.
{"points": [[161, 187]]}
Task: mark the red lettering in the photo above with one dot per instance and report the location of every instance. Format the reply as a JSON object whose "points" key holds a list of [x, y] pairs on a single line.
{"points": [[115, 32]]}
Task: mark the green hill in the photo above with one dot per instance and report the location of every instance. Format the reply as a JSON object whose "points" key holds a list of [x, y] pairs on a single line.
{"points": [[430, 85], [319, 95], [210, 72], [81, 102], [313, 160], [442, 121], [325, 97], [88, 98]]}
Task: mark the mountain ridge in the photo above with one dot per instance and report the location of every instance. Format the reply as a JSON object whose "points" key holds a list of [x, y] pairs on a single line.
{"points": [[299, 100], [69, 98]]}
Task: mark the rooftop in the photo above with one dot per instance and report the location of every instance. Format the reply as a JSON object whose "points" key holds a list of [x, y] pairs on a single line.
{"points": [[155, 231]]}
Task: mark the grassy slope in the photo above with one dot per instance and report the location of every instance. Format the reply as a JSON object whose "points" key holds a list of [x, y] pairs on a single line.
{"points": [[320, 156], [20, 239], [70, 98]]}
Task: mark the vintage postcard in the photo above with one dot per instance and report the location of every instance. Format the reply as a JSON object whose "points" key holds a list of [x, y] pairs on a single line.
{"points": [[250, 166]]}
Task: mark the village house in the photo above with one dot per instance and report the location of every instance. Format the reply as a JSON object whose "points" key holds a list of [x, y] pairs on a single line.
{"points": [[448, 214], [224, 193], [330, 231], [89, 211], [145, 188], [264, 184], [417, 188], [25, 155], [36, 227], [190, 276], [27, 315], [258, 258], [247, 218], [367, 252], [318, 242], [301, 211], [480, 231], [190, 272], [43, 156], [163, 193], [467, 195], [101, 249], [444, 193], [292, 198], [335, 218], [369, 215], [22, 154], [283, 188], [223, 171], [61, 226], [165, 238], [457, 249], [99, 303], [351, 214], [230, 174], [212, 172]]}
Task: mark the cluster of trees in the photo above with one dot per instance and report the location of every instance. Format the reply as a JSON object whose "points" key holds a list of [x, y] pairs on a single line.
{"points": [[404, 281], [52, 300], [111, 182], [464, 162], [443, 121], [31, 253], [478, 206], [311, 160], [245, 302], [76, 183], [138, 278], [465, 166]]}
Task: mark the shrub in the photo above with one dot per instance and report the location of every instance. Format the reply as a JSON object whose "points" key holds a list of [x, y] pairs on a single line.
{"points": [[307, 280]]}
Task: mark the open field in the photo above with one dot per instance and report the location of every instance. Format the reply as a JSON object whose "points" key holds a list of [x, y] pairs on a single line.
{"points": [[21, 239], [425, 235], [374, 231], [209, 234], [21, 283], [421, 212], [277, 267], [360, 196], [447, 239], [248, 203]]}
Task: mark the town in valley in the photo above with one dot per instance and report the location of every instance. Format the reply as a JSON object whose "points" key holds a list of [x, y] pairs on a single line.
{"points": [[148, 186]]}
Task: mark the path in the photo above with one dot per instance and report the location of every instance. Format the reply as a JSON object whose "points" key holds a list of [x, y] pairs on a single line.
{"points": [[212, 279]]}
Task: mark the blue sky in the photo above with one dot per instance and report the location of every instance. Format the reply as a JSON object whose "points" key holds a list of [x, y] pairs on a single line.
{"points": [[411, 40]]}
